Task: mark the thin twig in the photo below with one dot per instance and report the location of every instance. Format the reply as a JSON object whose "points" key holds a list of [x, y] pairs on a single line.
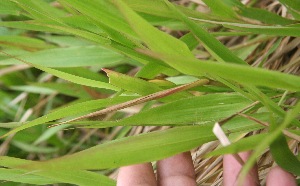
{"points": [[223, 121], [287, 133]]}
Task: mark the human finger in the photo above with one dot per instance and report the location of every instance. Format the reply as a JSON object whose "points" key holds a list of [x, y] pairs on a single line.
{"points": [[278, 176], [232, 168], [177, 170], [136, 175]]}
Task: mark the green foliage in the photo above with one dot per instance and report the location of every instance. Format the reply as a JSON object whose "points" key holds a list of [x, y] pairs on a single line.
{"points": [[52, 54], [70, 57]]}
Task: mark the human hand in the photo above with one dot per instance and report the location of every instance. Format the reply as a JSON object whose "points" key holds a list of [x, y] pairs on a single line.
{"points": [[174, 171], [178, 170]]}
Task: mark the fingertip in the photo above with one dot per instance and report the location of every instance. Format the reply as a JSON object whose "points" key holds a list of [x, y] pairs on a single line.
{"points": [[278, 176], [232, 168], [136, 175], [176, 170]]}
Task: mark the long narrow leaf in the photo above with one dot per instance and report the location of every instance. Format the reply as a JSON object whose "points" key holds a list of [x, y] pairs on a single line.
{"points": [[139, 86], [245, 144], [70, 57], [131, 150], [240, 73], [69, 77], [157, 40], [215, 47], [284, 157], [69, 111]]}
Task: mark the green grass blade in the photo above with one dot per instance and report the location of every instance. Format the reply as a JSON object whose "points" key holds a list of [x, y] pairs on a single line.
{"points": [[293, 7], [70, 57], [70, 77], [263, 16], [245, 144], [189, 111], [194, 110], [221, 9], [70, 110], [69, 89], [152, 69], [131, 150], [6, 161], [153, 7], [8, 7], [140, 148], [131, 84], [78, 177], [21, 176], [40, 10], [10, 124], [274, 134], [32, 89], [290, 30], [32, 148], [27, 25], [237, 124], [110, 16], [156, 40], [239, 73], [159, 8], [24, 42], [284, 157], [49, 133], [254, 14], [111, 21], [268, 103], [215, 47], [139, 86], [97, 38]]}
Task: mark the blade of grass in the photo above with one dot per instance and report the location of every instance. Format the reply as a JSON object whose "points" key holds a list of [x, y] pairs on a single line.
{"points": [[69, 77], [255, 14], [139, 86], [245, 144], [40, 10], [268, 103], [239, 73], [221, 9], [162, 42], [237, 124], [214, 46], [275, 30], [283, 155], [275, 132], [139, 100], [8, 7], [78, 177], [190, 111], [26, 43], [130, 150], [68, 111], [159, 8], [293, 7], [70, 57], [140, 148], [69, 89], [111, 21], [21, 176]]}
